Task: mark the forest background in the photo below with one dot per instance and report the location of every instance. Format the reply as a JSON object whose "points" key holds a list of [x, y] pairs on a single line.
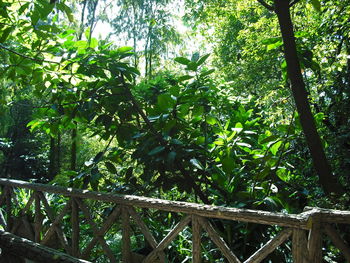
{"points": [[208, 104]]}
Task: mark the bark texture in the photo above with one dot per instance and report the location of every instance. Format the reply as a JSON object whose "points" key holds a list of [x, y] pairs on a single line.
{"points": [[321, 164]]}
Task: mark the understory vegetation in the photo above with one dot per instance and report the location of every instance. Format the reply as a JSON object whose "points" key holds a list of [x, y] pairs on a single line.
{"points": [[197, 101]]}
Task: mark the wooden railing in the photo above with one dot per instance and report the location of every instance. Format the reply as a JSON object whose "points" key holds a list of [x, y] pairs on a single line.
{"points": [[304, 230]]}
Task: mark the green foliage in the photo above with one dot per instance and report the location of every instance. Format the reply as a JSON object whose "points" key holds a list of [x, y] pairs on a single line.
{"points": [[223, 134]]}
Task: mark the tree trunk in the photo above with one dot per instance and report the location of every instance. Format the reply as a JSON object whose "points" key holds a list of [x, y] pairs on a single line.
{"points": [[52, 159], [73, 160], [321, 164]]}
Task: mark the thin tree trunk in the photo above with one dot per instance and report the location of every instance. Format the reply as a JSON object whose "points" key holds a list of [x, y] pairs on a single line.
{"points": [[52, 158], [73, 160], [134, 33], [58, 153], [321, 164]]}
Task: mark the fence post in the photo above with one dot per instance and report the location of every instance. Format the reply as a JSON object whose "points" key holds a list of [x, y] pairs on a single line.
{"points": [[37, 217], [315, 239], [299, 246], [126, 243], [9, 219], [75, 228], [196, 240]]}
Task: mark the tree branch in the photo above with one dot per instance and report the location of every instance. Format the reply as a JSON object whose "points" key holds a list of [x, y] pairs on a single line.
{"points": [[266, 5], [140, 111], [27, 57]]}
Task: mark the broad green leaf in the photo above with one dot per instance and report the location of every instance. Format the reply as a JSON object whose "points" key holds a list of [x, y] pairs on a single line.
{"points": [[192, 66], [124, 49], [166, 101], [198, 111], [171, 158], [316, 4], [272, 40], [268, 139], [243, 144], [156, 150], [203, 59], [3, 10], [186, 77], [81, 44], [23, 8], [274, 45], [111, 168], [34, 124], [284, 174], [93, 42], [35, 16], [219, 141], [87, 33], [182, 60], [195, 57], [228, 165], [5, 33], [219, 178], [274, 148], [238, 127], [206, 73], [211, 120], [65, 9], [134, 70], [95, 178], [197, 164]]}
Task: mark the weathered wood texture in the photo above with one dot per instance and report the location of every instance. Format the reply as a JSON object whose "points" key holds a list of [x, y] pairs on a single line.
{"points": [[328, 215], [196, 240], [313, 220], [244, 215], [269, 247], [28, 249], [315, 239], [126, 233], [75, 228], [338, 241], [96, 231], [167, 239], [299, 247], [217, 239]]}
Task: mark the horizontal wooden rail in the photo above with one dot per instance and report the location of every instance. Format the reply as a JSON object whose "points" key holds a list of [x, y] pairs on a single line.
{"points": [[304, 230], [12, 244], [237, 214]]}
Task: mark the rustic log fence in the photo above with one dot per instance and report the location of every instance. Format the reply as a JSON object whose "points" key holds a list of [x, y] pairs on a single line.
{"points": [[305, 230]]}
